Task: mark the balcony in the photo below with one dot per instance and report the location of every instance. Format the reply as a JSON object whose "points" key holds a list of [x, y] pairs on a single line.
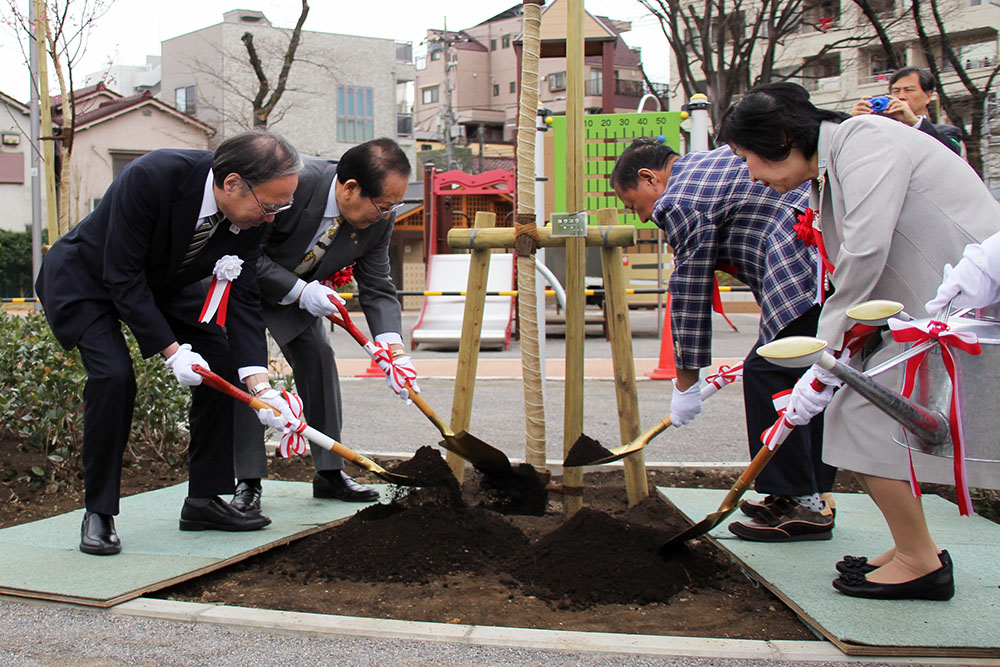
{"points": [[823, 83]]}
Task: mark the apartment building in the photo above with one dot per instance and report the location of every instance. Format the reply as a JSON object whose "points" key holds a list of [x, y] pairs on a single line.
{"points": [[847, 73], [342, 89], [482, 83]]}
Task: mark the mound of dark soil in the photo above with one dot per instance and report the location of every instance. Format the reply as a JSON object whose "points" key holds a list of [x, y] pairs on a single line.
{"points": [[594, 558], [398, 543], [439, 483]]}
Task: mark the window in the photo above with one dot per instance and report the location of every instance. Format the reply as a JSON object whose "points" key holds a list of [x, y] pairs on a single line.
{"points": [[184, 99], [557, 82], [11, 168], [506, 41], [121, 158], [496, 89], [822, 74], [436, 55], [429, 95], [355, 116], [493, 45], [513, 86]]}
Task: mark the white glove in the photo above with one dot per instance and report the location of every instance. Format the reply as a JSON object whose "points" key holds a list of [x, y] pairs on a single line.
{"points": [[315, 298], [805, 402], [181, 361], [685, 405], [267, 417], [398, 372], [967, 284]]}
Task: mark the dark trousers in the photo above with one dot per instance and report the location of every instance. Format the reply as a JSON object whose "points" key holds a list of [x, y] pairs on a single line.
{"points": [[797, 467], [317, 383], [109, 398]]}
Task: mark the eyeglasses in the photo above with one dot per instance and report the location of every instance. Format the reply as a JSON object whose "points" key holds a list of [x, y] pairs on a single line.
{"points": [[269, 209], [389, 211]]}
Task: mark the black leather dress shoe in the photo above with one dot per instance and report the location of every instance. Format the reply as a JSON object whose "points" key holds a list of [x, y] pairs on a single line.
{"points": [[216, 514], [937, 585], [339, 485], [98, 535], [861, 564], [247, 497]]}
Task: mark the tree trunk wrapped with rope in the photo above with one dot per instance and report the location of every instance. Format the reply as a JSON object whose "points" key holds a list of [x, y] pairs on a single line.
{"points": [[526, 238]]}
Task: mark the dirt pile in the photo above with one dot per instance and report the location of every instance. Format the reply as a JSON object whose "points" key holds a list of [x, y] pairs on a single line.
{"points": [[594, 558]]}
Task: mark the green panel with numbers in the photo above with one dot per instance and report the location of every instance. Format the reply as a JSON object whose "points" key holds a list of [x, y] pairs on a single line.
{"points": [[605, 137]]}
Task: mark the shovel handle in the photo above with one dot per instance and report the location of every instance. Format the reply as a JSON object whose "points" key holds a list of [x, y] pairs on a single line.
{"points": [[344, 321], [216, 381]]}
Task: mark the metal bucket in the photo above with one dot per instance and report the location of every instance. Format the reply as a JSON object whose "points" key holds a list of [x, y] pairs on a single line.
{"points": [[979, 383]]}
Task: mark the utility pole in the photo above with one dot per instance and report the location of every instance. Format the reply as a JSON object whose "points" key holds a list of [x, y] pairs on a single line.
{"points": [[448, 117], [36, 157]]}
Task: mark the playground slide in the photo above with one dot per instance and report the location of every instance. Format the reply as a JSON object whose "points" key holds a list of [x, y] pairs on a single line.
{"points": [[440, 321]]}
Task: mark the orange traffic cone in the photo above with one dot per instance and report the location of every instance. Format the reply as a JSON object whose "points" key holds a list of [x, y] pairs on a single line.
{"points": [[373, 371], [666, 369]]}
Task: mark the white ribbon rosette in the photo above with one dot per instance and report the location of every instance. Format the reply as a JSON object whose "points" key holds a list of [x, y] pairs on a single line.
{"points": [[226, 270]]}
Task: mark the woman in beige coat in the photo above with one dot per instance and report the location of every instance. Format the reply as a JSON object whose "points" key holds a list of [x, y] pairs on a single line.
{"points": [[894, 207]]}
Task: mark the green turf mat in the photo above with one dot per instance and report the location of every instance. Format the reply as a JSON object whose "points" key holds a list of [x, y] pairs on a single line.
{"points": [[40, 559], [800, 573]]}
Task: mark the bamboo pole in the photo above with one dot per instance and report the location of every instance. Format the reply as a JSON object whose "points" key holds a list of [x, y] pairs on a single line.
{"points": [[575, 254], [620, 334], [468, 349], [45, 107], [526, 241], [503, 237]]}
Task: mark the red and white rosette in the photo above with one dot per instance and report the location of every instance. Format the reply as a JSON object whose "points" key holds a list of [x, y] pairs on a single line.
{"points": [[918, 332], [811, 235], [226, 270], [292, 440]]}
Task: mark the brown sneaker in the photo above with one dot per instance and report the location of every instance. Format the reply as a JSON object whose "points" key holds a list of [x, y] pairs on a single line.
{"points": [[796, 524], [776, 504]]}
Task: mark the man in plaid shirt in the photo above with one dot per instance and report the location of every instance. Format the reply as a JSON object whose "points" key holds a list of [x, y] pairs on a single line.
{"points": [[715, 217]]}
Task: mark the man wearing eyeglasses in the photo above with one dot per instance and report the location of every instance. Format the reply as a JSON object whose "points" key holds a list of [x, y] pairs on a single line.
{"points": [[342, 216], [169, 220]]}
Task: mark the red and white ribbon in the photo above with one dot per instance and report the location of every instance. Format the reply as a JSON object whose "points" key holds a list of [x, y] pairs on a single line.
{"points": [[399, 376], [811, 235], [292, 440], [226, 270], [775, 434], [725, 375], [914, 332]]}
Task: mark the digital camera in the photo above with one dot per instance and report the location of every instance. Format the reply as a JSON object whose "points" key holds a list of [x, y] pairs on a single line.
{"points": [[879, 104]]}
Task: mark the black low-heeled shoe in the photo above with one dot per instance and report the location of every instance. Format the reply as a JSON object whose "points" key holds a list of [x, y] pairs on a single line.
{"points": [[936, 585], [861, 564]]}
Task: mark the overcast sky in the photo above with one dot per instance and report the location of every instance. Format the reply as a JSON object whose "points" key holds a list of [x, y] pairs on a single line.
{"points": [[132, 29]]}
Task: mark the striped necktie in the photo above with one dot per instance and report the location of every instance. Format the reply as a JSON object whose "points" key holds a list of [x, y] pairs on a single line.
{"points": [[201, 235], [317, 251]]}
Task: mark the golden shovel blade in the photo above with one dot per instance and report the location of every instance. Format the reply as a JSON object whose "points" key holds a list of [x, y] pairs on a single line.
{"points": [[874, 312], [793, 351]]}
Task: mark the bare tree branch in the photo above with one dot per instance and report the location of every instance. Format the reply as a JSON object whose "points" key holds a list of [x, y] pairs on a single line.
{"points": [[261, 109]]}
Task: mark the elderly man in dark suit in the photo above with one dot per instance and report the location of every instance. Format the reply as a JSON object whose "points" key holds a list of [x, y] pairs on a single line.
{"points": [[171, 218], [343, 215]]}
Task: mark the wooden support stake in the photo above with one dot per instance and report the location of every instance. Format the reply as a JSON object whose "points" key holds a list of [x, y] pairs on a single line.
{"points": [[463, 238], [575, 253], [468, 347], [620, 333]]}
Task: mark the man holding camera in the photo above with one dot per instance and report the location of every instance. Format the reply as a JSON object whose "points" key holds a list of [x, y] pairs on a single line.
{"points": [[910, 91]]}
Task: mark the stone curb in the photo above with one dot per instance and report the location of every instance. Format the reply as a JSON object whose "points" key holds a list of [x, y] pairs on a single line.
{"points": [[331, 626]]}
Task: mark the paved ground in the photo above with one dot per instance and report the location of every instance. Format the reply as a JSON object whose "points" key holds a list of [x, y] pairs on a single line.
{"points": [[498, 412], [33, 633]]}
